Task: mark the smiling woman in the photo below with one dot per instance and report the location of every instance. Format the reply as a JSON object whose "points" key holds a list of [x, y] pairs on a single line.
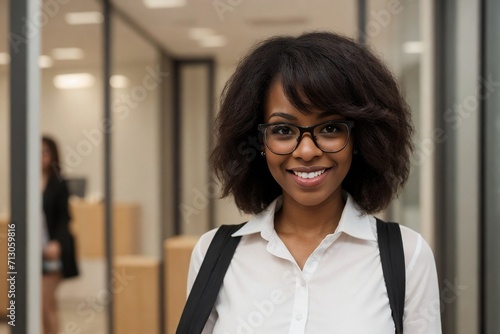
{"points": [[334, 138]]}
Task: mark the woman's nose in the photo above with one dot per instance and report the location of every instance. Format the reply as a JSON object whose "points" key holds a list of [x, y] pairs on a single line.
{"points": [[307, 149]]}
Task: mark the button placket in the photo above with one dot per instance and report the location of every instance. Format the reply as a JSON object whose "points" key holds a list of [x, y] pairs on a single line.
{"points": [[313, 261], [300, 305]]}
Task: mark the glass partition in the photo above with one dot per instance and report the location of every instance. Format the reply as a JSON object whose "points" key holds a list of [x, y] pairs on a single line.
{"points": [[136, 81], [394, 32], [139, 146], [72, 114]]}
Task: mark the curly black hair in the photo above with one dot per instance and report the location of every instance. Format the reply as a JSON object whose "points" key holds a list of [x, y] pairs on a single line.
{"points": [[321, 71]]}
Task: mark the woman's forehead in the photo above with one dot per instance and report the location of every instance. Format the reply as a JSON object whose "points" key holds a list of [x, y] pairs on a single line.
{"points": [[297, 102]]}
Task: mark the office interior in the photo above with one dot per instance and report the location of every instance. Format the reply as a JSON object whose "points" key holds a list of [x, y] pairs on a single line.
{"points": [[142, 184]]}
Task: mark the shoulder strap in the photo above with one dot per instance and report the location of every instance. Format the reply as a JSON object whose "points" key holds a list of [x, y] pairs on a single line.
{"points": [[390, 244], [209, 280]]}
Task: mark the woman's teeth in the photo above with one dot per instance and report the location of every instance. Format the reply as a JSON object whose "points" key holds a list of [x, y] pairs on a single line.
{"points": [[311, 175]]}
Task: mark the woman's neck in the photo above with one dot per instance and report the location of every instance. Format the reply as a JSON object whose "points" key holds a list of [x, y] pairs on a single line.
{"points": [[309, 221]]}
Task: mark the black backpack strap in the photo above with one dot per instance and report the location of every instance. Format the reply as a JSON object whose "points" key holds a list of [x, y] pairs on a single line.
{"points": [[392, 256], [209, 280]]}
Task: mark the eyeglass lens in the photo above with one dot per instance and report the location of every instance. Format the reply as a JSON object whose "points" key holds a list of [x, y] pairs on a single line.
{"points": [[329, 137]]}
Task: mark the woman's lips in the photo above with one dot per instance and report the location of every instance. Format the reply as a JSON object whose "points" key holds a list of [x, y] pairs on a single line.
{"points": [[310, 179]]}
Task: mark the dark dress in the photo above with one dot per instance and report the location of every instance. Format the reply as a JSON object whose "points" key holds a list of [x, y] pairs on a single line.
{"points": [[56, 210]]}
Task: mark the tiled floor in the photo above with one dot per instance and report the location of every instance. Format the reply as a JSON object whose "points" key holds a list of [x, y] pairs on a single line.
{"points": [[79, 310], [75, 315]]}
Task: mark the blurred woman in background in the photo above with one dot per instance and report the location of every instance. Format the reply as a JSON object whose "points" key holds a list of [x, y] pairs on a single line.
{"points": [[58, 252]]}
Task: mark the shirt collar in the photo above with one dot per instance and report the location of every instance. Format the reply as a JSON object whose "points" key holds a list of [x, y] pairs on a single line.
{"points": [[352, 222], [263, 222]]}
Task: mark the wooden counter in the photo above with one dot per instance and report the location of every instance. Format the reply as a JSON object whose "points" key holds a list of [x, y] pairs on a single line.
{"points": [[88, 228], [177, 252], [136, 295]]}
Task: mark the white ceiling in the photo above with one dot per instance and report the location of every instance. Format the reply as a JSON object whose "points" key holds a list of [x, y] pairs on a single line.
{"points": [[244, 23]]}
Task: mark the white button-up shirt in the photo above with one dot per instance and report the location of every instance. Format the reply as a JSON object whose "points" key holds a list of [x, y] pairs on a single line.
{"points": [[341, 288]]}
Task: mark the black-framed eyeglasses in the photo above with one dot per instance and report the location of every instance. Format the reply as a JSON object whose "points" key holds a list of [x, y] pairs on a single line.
{"points": [[284, 138]]}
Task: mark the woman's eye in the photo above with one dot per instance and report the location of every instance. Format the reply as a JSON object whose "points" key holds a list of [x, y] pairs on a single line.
{"points": [[284, 130], [331, 128]]}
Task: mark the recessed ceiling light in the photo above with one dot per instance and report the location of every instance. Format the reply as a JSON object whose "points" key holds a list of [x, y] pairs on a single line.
{"points": [[4, 58], [119, 81], [83, 18], [413, 47], [67, 53], [74, 80], [164, 3], [214, 41], [45, 61], [200, 33]]}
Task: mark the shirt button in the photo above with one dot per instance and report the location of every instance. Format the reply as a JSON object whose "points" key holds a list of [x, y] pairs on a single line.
{"points": [[298, 317], [302, 282]]}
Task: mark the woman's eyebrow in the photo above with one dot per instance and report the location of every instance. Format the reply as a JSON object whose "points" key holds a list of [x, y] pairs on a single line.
{"points": [[283, 115]]}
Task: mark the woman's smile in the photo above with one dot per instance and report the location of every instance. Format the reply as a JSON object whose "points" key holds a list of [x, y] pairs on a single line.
{"points": [[309, 176]]}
